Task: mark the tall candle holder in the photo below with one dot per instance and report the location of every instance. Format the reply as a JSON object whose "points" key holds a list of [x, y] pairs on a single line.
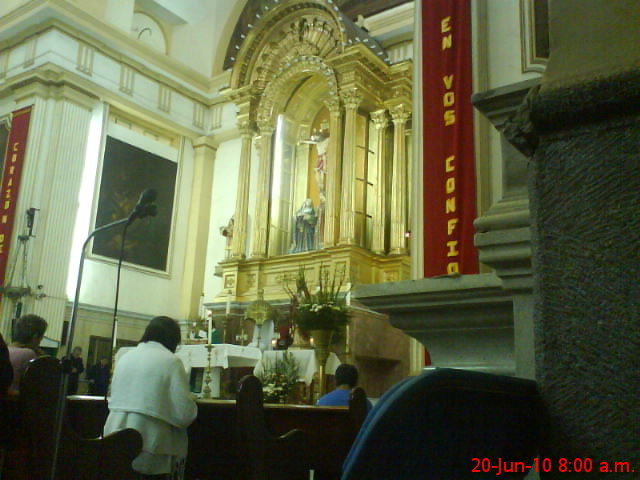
{"points": [[206, 390]]}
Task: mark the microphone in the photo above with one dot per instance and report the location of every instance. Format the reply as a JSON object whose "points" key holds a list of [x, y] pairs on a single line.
{"points": [[150, 210], [145, 206]]}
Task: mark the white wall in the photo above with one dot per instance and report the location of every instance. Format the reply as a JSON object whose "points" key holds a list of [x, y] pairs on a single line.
{"points": [[225, 177], [504, 61]]}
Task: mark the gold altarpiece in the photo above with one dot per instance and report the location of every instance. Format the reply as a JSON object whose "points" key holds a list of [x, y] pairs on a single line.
{"points": [[308, 83]]}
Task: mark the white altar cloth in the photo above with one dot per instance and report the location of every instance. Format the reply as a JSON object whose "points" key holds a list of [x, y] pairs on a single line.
{"points": [[223, 355], [306, 360]]}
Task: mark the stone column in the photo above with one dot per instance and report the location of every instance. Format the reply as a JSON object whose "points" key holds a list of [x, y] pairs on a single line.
{"points": [[261, 226], [54, 162], [397, 241], [333, 179], [585, 193], [351, 98], [198, 228], [380, 120], [239, 240]]}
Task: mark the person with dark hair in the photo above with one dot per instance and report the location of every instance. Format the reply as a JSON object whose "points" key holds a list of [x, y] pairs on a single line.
{"points": [[346, 380], [150, 393], [27, 335], [98, 376], [6, 370], [77, 367]]}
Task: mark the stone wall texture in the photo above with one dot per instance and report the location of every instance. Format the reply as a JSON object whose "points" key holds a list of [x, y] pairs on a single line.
{"points": [[585, 203]]}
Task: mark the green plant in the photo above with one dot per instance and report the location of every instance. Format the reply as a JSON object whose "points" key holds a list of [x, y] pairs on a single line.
{"points": [[279, 378], [324, 309]]}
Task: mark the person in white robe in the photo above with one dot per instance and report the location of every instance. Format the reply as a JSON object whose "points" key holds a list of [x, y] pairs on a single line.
{"points": [[150, 393]]}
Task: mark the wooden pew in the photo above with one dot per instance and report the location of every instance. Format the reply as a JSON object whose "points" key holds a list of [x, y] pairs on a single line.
{"points": [[293, 454], [215, 452], [30, 454]]}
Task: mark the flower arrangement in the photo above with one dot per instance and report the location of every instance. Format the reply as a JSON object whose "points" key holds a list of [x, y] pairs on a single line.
{"points": [[323, 310], [279, 379]]}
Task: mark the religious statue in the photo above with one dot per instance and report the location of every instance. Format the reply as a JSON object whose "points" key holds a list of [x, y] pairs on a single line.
{"points": [[304, 226], [227, 231], [320, 169], [321, 164]]}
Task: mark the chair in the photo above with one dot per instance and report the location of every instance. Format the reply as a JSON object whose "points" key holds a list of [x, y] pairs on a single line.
{"points": [[79, 459], [431, 427]]}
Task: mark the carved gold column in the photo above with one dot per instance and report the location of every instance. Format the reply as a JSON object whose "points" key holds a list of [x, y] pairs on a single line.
{"points": [[332, 206], [351, 99], [397, 241], [265, 145], [239, 239], [380, 121]]}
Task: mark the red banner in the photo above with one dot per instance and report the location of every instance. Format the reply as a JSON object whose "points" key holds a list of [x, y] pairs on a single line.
{"points": [[13, 162], [449, 171]]}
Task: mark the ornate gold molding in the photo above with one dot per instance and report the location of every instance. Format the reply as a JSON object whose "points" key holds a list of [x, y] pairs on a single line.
{"points": [[360, 266]]}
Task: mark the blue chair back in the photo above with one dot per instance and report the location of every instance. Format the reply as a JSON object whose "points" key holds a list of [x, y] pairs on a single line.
{"points": [[434, 425]]}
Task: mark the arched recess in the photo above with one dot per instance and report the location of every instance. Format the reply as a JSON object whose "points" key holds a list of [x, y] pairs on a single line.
{"points": [[278, 92]]}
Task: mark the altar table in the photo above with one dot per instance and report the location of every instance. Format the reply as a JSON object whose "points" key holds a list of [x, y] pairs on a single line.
{"points": [[306, 360], [223, 355]]}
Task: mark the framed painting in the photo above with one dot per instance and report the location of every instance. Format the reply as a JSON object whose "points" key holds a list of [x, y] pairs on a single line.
{"points": [[126, 172]]}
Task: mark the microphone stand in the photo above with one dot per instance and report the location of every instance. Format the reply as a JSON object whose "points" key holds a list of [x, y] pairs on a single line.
{"points": [[114, 324], [66, 367]]}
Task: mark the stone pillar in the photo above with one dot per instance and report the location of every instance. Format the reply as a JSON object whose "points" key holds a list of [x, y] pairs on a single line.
{"points": [[198, 228], [380, 120], [54, 162], [585, 193], [503, 235], [333, 179], [397, 241], [351, 98], [239, 240], [261, 226]]}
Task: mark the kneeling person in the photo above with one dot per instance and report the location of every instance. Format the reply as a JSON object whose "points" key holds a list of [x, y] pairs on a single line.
{"points": [[150, 393]]}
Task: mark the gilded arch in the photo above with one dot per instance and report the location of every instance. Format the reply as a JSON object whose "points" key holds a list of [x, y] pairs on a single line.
{"points": [[276, 92], [280, 35]]}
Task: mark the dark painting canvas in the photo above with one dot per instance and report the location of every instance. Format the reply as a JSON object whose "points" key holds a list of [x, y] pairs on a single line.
{"points": [[126, 172]]}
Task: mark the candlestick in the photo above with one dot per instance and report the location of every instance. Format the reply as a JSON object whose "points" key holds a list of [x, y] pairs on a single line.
{"points": [[206, 390]]}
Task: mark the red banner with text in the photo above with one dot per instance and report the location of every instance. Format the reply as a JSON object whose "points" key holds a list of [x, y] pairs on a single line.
{"points": [[449, 170], [13, 162]]}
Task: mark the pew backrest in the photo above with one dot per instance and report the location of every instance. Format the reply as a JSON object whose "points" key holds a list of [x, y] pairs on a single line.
{"points": [[105, 458]]}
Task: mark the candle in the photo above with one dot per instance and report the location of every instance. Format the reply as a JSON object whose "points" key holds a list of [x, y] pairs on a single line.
{"points": [[348, 299], [209, 328], [228, 303]]}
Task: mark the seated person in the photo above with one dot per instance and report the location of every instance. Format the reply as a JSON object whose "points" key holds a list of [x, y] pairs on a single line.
{"points": [[346, 380], [6, 370], [28, 333], [150, 393]]}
